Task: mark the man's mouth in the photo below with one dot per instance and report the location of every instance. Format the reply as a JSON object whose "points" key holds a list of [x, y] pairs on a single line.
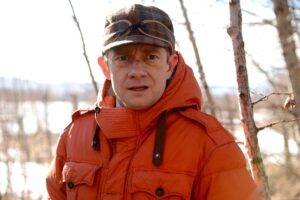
{"points": [[138, 88]]}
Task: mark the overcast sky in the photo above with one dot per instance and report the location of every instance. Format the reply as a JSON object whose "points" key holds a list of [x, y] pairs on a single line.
{"points": [[39, 40]]}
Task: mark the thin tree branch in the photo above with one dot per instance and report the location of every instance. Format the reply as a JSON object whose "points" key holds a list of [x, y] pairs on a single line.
{"points": [[264, 98], [198, 60], [257, 65], [84, 49], [262, 23], [278, 122]]}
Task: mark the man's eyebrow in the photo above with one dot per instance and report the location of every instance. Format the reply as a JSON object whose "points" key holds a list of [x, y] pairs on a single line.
{"points": [[152, 49], [120, 52], [130, 50]]}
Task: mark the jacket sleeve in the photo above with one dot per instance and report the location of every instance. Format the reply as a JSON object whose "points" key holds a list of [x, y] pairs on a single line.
{"points": [[55, 187], [225, 176]]}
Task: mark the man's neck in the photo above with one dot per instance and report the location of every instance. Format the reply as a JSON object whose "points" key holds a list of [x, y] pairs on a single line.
{"points": [[118, 104]]}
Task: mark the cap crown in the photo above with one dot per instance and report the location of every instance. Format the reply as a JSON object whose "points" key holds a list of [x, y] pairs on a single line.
{"points": [[138, 24]]}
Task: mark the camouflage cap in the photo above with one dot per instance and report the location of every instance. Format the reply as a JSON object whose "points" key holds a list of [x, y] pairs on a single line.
{"points": [[138, 24]]}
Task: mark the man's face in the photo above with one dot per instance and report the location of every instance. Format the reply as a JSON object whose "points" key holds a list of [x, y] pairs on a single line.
{"points": [[139, 73]]}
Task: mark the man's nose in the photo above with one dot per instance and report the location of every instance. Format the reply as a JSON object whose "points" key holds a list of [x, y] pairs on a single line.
{"points": [[136, 70]]}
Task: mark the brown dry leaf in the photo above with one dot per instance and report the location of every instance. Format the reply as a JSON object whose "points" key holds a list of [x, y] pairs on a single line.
{"points": [[289, 102]]}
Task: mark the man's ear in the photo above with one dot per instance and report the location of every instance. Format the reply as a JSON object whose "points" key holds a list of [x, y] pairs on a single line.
{"points": [[103, 64], [173, 60]]}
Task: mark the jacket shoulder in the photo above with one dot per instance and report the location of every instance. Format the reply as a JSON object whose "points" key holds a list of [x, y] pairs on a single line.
{"points": [[81, 112], [213, 127], [77, 137]]}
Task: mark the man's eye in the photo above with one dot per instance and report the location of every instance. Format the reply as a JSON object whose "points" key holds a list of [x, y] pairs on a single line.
{"points": [[152, 57], [122, 58]]}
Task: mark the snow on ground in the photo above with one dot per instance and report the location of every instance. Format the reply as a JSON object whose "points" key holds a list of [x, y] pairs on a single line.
{"points": [[35, 180]]}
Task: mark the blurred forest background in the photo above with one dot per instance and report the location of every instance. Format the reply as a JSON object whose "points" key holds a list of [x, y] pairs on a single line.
{"points": [[33, 112]]}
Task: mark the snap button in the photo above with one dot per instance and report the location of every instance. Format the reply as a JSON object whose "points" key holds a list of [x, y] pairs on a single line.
{"points": [[97, 109], [157, 156], [159, 192], [70, 184]]}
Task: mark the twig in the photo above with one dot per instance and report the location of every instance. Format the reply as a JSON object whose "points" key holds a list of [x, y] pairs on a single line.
{"points": [[264, 98], [278, 122], [210, 100], [264, 72], [84, 48], [261, 23]]}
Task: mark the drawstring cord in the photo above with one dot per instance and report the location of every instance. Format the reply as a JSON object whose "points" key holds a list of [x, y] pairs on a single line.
{"points": [[96, 139], [159, 140], [158, 143]]}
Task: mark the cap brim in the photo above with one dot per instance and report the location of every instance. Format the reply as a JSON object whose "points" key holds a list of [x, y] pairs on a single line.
{"points": [[135, 39]]}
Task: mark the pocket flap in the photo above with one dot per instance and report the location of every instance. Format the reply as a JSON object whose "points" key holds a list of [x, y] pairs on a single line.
{"points": [[79, 173], [162, 184]]}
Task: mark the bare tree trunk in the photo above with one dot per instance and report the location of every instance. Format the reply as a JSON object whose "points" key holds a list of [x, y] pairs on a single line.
{"points": [[22, 139], [296, 137], [8, 160], [46, 118], [200, 67], [260, 69], [74, 101], [246, 108], [24, 153], [287, 154], [285, 31], [5, 120]]}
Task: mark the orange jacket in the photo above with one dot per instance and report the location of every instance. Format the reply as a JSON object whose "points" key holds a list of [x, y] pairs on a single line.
{"points": [[169, 151]]}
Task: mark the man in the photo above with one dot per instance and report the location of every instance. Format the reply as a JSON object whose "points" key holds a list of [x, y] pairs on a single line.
{"points": [[147, 138]]}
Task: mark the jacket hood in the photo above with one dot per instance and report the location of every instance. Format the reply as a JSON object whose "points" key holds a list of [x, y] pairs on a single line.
{"points": [[183, 91]]}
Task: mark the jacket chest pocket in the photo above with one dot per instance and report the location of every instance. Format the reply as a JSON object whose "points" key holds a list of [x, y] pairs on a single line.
{"points": [[160, 185], [80, 180]]}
